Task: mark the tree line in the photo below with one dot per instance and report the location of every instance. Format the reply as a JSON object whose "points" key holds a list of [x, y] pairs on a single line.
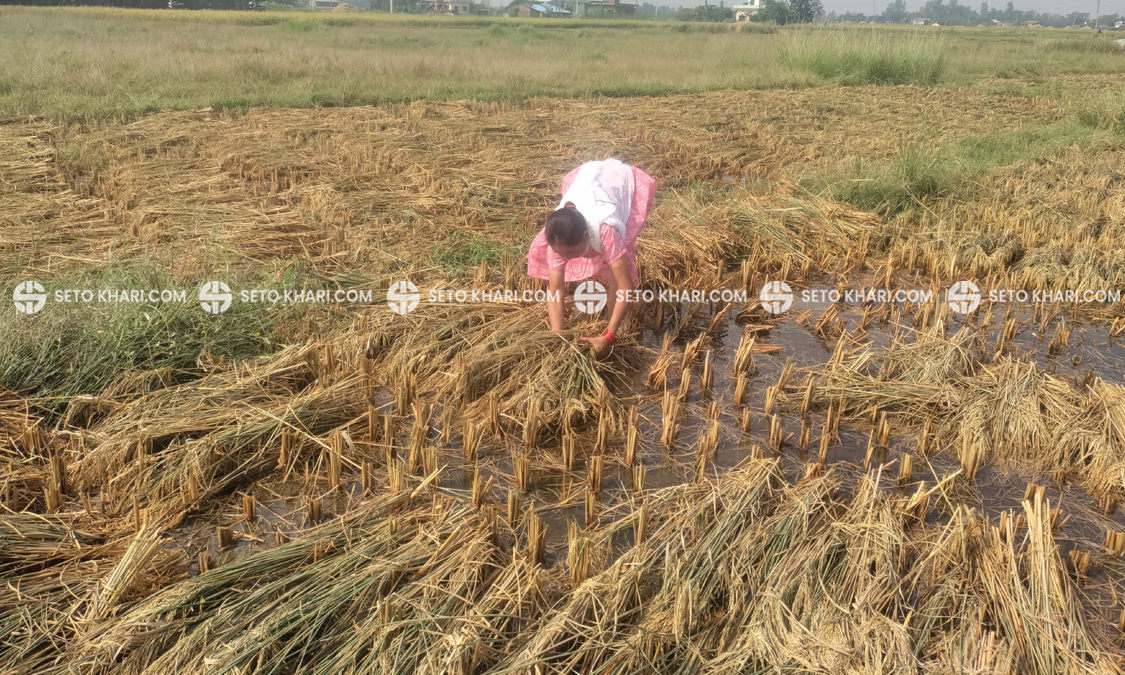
{"points": [[953, 13], [780, 12], [946, 13]]}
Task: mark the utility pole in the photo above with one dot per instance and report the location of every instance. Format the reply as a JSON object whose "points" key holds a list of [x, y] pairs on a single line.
{"points": [[1096, 13]]}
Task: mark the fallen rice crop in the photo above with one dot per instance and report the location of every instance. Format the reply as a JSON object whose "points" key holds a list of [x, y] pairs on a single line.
{"points": [[745, 572], [459, 490]]}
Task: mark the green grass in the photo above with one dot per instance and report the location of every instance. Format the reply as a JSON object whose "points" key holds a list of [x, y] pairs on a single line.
{"points": [[1103, 111], [107, 63], [919, 173], [464, 250], [302, 25], [78, 348], [1093, 45], [869, 57]]}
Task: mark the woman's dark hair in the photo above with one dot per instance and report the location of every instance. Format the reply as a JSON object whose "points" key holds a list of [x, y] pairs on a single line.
{"points": [[565, 227]]}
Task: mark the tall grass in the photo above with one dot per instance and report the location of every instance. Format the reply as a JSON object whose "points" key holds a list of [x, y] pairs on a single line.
{"points": [[1092, 45], [105, 63], [920, 173], [917, 174], [1103, 111], [80, 62], [867, 57], [79, 348]]}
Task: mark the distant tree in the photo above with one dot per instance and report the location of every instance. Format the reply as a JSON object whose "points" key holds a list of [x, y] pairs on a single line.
{"points": [[896, 12], [945, 12], [705, 13], [951, 14], [777, 11], [805, 11]]}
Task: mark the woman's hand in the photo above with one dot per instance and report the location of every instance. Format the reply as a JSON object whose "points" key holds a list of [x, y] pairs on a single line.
{"points": [[601, 346], [619, 304]]}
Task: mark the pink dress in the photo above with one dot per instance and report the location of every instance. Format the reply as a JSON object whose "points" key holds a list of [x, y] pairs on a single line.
{"points": [[541, 258]]}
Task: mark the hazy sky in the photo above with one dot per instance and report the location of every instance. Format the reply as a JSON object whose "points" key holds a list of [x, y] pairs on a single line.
{"points": [[1053, 6], [866, 6]]}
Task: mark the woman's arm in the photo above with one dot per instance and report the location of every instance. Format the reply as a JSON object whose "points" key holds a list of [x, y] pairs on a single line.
{"points": [[624, 286], [556, 310], [621, 307]]}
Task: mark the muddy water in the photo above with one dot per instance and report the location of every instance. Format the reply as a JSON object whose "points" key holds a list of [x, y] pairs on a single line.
{"points": [[559, 496]]}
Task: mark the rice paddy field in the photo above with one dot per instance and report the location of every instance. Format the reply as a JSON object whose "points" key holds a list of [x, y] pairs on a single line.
{"points": [[846, 487]]}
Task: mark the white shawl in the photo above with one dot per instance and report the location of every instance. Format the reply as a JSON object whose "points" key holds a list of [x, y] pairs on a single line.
{"points": [[603, 193]]}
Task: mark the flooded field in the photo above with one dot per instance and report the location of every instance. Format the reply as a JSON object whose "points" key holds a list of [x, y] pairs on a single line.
{"points": [[322, 488], [792, 347]]}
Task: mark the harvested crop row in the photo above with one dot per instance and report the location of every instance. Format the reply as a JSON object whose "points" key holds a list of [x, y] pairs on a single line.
{"points": [[354, 187], [983, 407], [742, 573]]}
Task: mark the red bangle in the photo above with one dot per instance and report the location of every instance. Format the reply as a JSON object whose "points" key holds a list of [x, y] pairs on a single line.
{"points": [[609, 337]]}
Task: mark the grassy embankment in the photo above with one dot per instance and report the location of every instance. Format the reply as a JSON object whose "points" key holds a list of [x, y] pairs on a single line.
{"points": [[97, 62]]}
